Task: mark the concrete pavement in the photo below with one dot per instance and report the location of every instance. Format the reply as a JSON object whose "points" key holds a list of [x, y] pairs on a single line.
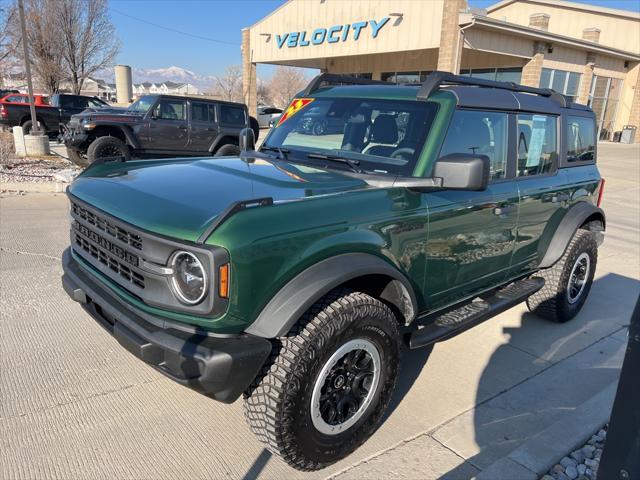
{"points": [[74, 404]]}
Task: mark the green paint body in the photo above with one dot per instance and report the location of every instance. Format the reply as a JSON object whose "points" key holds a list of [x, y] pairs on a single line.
{"points": [[449, 244]]}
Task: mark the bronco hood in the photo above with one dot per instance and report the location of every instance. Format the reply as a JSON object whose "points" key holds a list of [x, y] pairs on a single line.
{"points": [[180, 198]]}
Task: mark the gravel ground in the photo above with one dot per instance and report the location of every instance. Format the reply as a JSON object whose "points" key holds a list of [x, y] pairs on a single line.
{"points": [[581, 464], [32, 170]]}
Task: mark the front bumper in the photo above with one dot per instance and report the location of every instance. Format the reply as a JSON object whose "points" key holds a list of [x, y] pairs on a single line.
{"points": [[221, 367], [73, 138]]}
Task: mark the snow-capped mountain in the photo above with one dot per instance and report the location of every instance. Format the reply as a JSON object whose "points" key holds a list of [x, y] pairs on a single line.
{"points": [[159, 75]]}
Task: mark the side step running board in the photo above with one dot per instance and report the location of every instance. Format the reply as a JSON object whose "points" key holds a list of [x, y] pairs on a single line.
{"points": [[480, 309]]}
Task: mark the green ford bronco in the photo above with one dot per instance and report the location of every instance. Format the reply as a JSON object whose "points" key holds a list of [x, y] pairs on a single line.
{"points": [[293, 275]]}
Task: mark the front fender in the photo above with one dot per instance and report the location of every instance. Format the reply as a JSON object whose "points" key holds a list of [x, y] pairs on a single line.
{"points": [[300, 293]]}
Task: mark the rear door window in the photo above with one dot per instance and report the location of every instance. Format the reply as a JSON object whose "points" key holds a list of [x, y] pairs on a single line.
{"points": [[481, 133], [537, 144], [232, 115], [203, 112], [581, 139]]}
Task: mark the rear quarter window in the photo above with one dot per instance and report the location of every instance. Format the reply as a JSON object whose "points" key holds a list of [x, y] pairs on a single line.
{"points": [[581, 139], [232, 115]]}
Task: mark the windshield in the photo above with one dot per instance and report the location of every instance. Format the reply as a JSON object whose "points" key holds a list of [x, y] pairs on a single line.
{"points": [[382, 136], [142, 104]]}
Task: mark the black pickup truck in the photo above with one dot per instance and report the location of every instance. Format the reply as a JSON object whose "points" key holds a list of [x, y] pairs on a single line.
{"points": [[157, 126], [59, 111]]}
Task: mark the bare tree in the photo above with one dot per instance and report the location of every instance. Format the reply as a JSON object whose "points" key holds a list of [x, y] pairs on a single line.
{"points": [[7, 43], [229, 85], [285, 83], [263, 93], [43, 41], [89, 41]]}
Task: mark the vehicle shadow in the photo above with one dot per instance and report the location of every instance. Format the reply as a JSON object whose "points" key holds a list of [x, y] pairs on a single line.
{"points": [[258, 465], [509, 418]]}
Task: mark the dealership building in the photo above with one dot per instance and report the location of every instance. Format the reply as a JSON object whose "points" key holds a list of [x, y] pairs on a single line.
{"points": [[589, 53]]}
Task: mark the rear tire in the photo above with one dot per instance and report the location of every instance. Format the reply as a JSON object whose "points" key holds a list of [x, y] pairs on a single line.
{"points": [[28, 126], [105, 147], [77, 158], [328, 383], [568, 281], [228, 150]]}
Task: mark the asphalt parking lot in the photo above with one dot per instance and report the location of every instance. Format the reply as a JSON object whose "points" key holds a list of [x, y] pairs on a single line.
{"points": [[74, 404]]}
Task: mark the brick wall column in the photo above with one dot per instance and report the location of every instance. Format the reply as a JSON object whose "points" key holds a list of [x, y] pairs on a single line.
{"points": [[249, 78], [585, 81], [533, 69], [450, 51]]}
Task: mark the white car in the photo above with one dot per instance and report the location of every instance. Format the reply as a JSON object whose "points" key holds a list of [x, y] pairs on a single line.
{"points": [[267, 114]]}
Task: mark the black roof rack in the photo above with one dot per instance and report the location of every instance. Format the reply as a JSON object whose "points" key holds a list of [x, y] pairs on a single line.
{"points": [[438, 78], [335, 79]]}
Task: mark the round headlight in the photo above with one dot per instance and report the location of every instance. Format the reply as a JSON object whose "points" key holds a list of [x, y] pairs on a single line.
{"points": [[189, 278]]}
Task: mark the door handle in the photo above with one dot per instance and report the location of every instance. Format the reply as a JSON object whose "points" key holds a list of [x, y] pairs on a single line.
{"points": [[504, 209], [560, 197]]}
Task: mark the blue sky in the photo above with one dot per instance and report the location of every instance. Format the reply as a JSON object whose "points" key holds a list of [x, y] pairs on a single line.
{"points": [[145, 45]]}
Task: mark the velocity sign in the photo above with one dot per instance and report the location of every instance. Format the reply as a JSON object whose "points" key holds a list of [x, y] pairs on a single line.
{"points": [[335, 34]]}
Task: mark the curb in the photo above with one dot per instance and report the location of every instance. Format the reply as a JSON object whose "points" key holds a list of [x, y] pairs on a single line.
{"points": [[44, 187], [535, 457]]}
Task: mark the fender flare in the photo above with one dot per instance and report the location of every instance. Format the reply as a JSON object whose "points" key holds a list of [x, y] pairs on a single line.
{"points": [[575, 216], [126, 131], [309, 286]]}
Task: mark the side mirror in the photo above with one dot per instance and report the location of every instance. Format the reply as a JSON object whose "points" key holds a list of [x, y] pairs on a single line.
{"points": [[463, 171], [247, 140]]}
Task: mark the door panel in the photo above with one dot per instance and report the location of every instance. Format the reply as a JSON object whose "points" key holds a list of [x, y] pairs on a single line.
{"points": [[471, 239], [168, 129], [202, 128], [542, 188]]}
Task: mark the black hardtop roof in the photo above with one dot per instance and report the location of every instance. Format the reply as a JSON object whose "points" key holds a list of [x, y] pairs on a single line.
{"points": [[193, 98], [469, 92]]}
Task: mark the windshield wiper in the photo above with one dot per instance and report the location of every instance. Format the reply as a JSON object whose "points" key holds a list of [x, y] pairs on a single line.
{"points": [[282, 152], [335, 158]]}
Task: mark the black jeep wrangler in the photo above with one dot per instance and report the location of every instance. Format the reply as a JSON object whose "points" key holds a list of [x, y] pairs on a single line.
{"points": [[157, 126]]}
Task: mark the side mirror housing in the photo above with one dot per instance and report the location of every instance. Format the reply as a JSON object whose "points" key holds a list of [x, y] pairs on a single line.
{"points": [[463, 171], [247, 140]]}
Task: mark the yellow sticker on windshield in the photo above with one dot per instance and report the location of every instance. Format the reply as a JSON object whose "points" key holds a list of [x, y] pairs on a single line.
{"points": [[297, 105]]}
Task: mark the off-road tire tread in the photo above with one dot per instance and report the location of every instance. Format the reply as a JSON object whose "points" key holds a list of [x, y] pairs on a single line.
{"points": [[265, 406], [223, 151], [108, 138], [545, 303], [76, 158]]}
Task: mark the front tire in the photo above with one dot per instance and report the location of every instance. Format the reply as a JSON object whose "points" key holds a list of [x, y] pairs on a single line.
{"points": [[568, 281], [77, 158], [329, 381], [28, 126], [107, 147]]}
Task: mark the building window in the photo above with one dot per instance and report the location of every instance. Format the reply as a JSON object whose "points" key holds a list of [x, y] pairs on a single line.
{"points": [[405, 77], [603, 100], [561, 81], [367, 76], [498, 74]]}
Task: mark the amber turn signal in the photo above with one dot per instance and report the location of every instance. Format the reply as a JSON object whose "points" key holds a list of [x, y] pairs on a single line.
{"points": [[223, 281]]}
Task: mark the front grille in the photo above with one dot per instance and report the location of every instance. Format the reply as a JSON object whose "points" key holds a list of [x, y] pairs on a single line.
{"points": [[106, 226], [109, 260]]}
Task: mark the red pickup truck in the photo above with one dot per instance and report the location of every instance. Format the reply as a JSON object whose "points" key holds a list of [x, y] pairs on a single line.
{"points": [[50, 117]]}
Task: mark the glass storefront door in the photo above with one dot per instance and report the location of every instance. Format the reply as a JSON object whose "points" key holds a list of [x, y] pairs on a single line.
{"points": [[603, 100]]}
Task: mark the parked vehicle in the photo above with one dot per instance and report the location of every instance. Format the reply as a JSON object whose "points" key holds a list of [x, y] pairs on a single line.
{"points": [[50, 117], [157, 126], [24, 98], [4, 93], [267, 115], [292, 275]]}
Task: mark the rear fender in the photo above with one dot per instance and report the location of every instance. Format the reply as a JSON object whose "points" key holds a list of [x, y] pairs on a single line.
{"points": [[579, 214]]}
